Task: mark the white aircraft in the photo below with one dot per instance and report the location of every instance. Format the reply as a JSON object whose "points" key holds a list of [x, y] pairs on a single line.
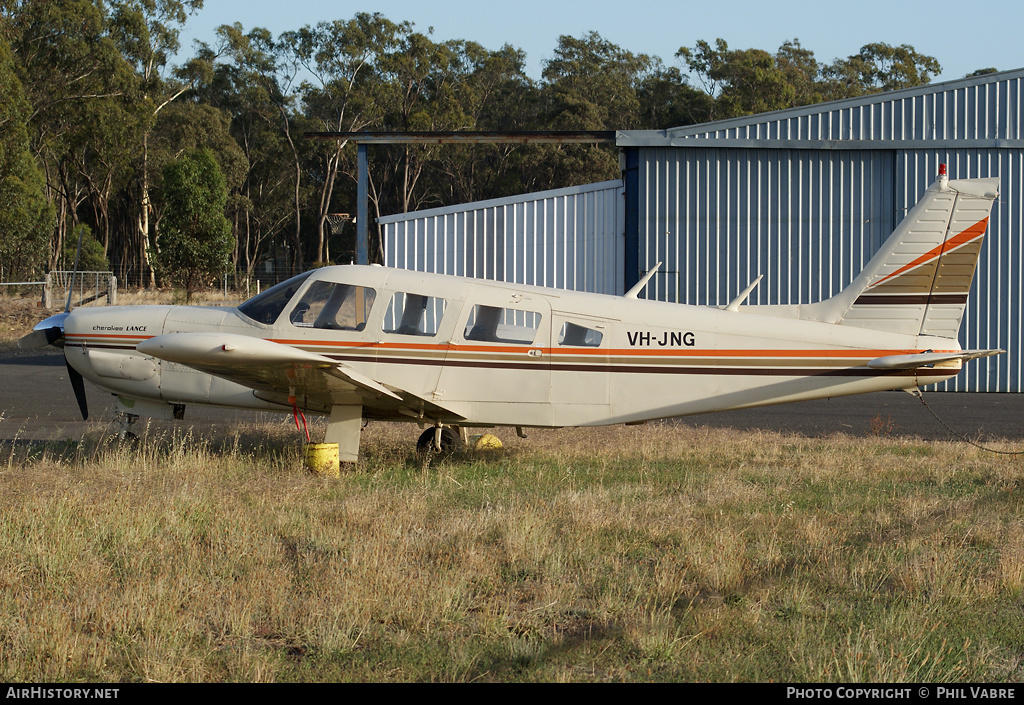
{"points": [[367, 342]]}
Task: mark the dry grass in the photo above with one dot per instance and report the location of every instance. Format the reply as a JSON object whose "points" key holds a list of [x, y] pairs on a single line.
{"points": [[663, 552], [17, 316], [660, 552]]}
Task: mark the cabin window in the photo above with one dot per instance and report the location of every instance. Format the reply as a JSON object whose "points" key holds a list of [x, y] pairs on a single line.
{"points": [[333, 306], [414, 314], [580, 336], [266, 306], [493, 324]]}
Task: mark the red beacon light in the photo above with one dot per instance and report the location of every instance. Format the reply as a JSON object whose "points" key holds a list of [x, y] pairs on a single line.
{"points": [[942, 169]]}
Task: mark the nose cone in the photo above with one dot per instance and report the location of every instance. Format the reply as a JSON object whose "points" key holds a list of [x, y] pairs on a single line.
{"points": [[54, 321], [49, 331]]}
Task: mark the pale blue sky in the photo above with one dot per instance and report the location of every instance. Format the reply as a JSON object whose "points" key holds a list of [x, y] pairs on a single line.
{"points": [[963, 36]]}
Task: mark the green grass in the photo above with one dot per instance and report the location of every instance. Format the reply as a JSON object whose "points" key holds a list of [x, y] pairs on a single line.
{"points": [[663, 552]]}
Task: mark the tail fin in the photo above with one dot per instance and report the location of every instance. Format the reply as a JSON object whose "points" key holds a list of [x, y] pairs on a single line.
{"points": [[918, 282]]}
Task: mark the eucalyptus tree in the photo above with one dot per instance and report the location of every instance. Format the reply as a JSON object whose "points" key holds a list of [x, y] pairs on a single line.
{"points": [[802, 71], [589, 84], [147, 33], [879, 67], [184, 127], [26, 218], [342, 93], [593, 83], [667, 99], [77, 86], [493, 93], [748, 81], [196, 234], [741, 81], [425, 85], [245, 80]]}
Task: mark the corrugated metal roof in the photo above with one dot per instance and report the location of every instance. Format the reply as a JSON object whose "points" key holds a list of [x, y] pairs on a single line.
{"points": [[981, 107], [499, 202]]}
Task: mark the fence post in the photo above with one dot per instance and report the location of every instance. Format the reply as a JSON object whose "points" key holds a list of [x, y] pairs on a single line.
{"points": [[47, 291], [112, 291]]}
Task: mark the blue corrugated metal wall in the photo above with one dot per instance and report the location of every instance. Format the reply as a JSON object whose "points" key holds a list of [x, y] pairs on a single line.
{"points": [[717, 218], [569, 238], [806, 196]]}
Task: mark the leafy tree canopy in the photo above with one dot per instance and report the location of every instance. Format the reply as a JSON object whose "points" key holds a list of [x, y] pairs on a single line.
{"points": [[196, 241], [26, 218], [93, 118]]}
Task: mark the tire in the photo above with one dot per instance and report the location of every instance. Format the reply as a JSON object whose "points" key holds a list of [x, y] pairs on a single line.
{"points": [[450, 442]]}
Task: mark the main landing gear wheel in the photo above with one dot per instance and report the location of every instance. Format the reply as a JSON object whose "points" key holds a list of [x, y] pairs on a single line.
{"points": [[449, 440]]}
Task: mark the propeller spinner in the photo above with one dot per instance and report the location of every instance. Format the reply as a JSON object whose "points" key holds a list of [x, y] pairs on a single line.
{"points": [[49, 331]]}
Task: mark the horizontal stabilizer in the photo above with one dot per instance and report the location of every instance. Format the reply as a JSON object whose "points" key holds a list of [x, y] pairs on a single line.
{"points": [[926, 359]]}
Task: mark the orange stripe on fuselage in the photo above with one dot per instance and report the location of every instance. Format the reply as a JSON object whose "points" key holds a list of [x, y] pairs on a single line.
{"points": [[616, 352], [108, 335], [499, 348]]}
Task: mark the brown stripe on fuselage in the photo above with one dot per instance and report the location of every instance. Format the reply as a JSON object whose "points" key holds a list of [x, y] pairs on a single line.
{"points": [[747, 369]]}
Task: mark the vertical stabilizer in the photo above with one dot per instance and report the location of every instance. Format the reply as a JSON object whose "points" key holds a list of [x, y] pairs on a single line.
{"points": [[918, 282]]}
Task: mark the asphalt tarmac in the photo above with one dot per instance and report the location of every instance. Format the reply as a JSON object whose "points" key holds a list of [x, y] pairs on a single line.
{"points": [[37, 403]]}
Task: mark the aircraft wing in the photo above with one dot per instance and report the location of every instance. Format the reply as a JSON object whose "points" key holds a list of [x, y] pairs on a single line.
{"points": [[277, 369], [927, 359]]}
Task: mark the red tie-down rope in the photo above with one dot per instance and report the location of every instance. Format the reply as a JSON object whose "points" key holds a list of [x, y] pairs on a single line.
{"points": [[296, 412]]}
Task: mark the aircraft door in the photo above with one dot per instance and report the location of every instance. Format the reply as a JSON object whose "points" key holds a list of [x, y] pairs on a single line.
{"points": [[500, 357], [414, 335], [579, 373]]}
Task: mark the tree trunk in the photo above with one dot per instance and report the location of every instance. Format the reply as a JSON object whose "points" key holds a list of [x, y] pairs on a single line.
{"points": [[143, 229]]}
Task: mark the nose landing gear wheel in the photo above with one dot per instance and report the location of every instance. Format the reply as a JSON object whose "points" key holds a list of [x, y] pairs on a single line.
{"points": [[449, 441]]}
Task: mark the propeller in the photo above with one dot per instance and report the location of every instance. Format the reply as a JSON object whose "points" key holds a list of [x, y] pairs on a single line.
{"points": [[78, 384], [50, 331]]}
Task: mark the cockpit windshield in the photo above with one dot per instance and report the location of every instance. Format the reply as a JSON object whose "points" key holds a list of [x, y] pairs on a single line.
{"points": [[267, 306]]}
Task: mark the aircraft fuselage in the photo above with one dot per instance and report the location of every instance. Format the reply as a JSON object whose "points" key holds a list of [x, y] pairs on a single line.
{"points": [[550, 358]]}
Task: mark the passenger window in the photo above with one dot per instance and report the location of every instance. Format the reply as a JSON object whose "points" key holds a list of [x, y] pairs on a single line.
{"points": [[333, 306], [572, 334], [414, 314], [502, 325]]}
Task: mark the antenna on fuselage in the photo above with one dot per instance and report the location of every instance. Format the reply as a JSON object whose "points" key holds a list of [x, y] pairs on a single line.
{"points": [[734, 305], [639, 286]]}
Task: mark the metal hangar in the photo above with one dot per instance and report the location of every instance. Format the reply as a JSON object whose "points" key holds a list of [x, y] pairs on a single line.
{"points": [[803, 196]]}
